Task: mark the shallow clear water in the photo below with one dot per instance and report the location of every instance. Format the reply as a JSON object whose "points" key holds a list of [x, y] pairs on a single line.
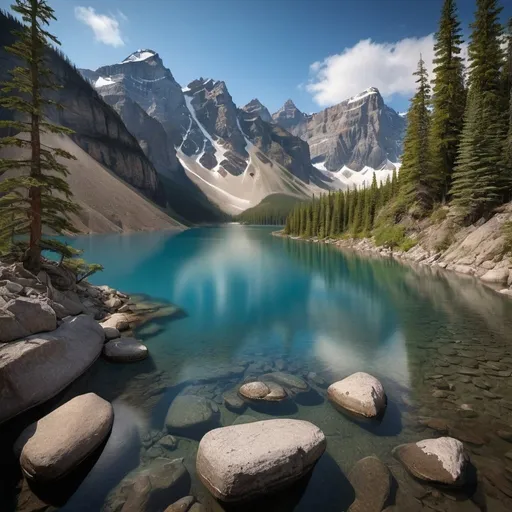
{"points": [[260, 302]]}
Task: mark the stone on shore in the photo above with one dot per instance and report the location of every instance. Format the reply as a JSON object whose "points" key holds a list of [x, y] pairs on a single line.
{"points": [[441, 460], [125, 350], [192, 416], [360, 393], [57, 443], [36, 368], [243, 461], [23, 316], [111, 333], [119, 321], [499, 275], [371, 480]]}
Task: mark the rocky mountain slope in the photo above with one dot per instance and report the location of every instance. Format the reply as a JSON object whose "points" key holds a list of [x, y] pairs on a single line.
{"points": [[99, 131], [234, 157], [359, 133], [256, 108]]}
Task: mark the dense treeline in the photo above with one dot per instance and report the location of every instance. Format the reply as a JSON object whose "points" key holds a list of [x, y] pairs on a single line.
{"points": [[350, 212], [458, 143], [272, 211]]}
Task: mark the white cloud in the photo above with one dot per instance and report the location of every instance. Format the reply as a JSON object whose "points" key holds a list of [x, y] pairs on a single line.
{"points": [[387, 66], [106, 28]]}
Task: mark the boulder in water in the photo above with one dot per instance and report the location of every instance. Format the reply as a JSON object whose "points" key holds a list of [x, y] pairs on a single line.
{"points": [[360, 393], [192, 416], [240, 462], [441, 460], [125, 350], [57, 443]]}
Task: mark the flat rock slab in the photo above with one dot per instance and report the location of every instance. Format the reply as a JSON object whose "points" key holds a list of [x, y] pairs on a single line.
{"points": [[371, 480], [240, 462], [60, 441], [360, 393], [441, 460], [125, 350], [192, 416], [35, 369]]}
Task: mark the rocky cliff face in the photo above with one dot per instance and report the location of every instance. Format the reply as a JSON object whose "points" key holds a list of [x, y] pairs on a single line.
{"points": [[98, 128], [289, 117], [361, 131], [255, 108]]}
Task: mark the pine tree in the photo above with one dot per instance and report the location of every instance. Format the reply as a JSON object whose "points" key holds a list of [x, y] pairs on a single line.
{"points": [[479, 181], [29, 201], [417, 181], [321, 218], [314, 217], [328, 214], [449, 97], [308, 232]]}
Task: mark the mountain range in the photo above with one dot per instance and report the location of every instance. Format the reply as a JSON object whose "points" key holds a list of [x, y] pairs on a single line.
{"points": [[190, 152]]}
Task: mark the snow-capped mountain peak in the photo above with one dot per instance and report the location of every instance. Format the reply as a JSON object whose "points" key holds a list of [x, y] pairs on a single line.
{"points": [[363, 94], [139, 56]]}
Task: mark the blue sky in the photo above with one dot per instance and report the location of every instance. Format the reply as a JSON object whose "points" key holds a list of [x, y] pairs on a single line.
{"points": [[317, 52]]}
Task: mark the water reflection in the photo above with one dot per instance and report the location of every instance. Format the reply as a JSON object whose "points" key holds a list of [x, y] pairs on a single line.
{"points": [[252, 300]]}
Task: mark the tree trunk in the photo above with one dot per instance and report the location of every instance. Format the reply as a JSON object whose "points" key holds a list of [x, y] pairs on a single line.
{"points": [[33, 259]]}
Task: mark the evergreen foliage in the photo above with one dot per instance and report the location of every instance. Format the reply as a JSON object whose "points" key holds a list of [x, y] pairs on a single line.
{"points": [[342, 213], [35, 193], [419, 185], [480, 180], [449, 98]]}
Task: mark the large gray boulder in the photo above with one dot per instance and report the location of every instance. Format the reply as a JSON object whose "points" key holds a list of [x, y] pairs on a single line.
{"points": [[192, 416], [36, 368], [441, 460], [242, 461], [23, 316], [360, 393], [125, 350], [60, 441]]}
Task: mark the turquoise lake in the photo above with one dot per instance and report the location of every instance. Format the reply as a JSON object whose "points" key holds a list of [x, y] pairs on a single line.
{"points": [[265, 303]]}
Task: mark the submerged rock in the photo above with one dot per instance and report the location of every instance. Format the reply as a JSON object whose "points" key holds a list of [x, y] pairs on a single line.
{"points": [[441, 460], [60, 441], [125, 350], [360, 393], [186, 504], [268, 392], [192, 416], [242, 461], [152, 487], [286, 380], [35, 369], [371, 480]]}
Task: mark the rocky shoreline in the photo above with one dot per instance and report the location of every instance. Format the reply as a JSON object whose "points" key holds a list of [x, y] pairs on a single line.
{"points": [[478, 250]]}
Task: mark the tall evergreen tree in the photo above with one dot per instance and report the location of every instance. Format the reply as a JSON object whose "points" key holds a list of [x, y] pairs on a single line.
{"points": [[449, 97], [29, 199], [417, 183], [479, 181]]}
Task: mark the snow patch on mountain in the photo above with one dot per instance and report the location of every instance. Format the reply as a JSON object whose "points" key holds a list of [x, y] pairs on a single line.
{"points": [[139, 55], [103, 81], [364, 94], [348, 178]]}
